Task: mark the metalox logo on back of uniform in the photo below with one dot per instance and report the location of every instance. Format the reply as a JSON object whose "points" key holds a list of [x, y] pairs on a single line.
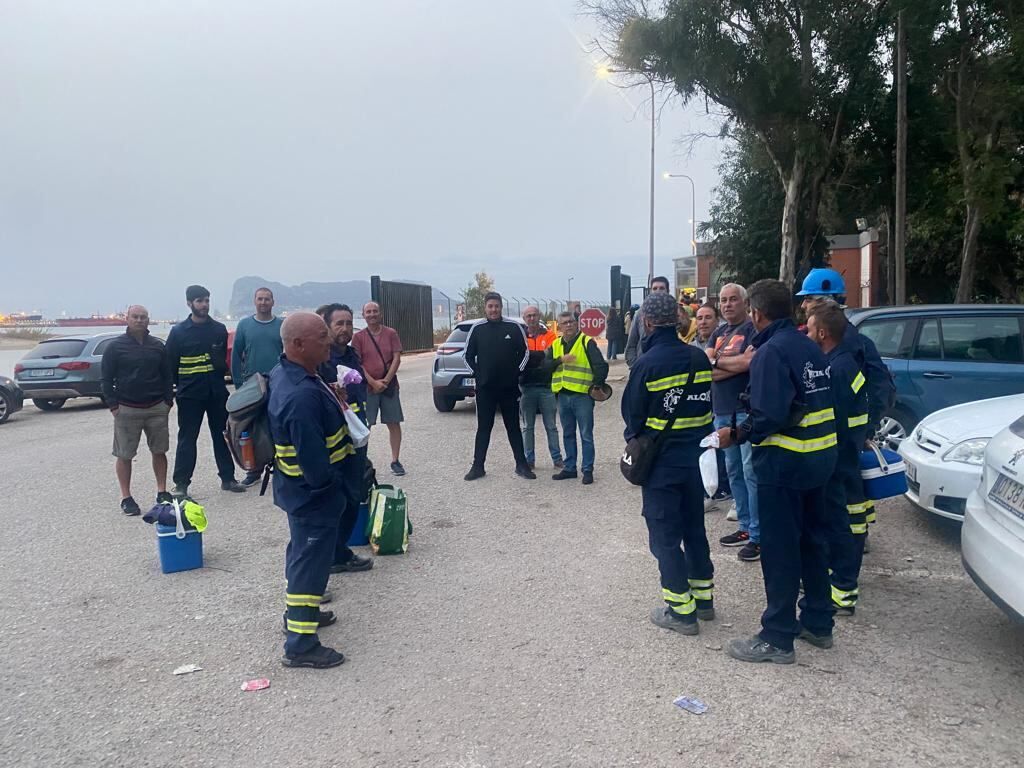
{"points": [[816, 379]]}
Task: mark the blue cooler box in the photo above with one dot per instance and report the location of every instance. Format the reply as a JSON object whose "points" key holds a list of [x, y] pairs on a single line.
{"points": [[359, 537], [178, 554], [883, 477]]}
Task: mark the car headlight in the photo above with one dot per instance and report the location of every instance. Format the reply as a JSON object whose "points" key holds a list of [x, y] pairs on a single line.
{"points": [[968, 452]]}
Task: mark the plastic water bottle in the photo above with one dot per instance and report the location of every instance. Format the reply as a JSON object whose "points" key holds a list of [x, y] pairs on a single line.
{"points": [[248, 452]]}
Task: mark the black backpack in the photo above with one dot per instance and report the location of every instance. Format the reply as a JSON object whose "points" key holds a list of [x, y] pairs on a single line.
{"points": [[247, 412]]}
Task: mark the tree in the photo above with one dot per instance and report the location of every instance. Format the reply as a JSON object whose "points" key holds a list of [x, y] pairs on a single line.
{"points": [[473, 295], [984, 81], [797, 74]]}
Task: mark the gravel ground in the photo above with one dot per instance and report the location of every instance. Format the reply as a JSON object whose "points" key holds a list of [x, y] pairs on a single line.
{"points": [[513, 633]]}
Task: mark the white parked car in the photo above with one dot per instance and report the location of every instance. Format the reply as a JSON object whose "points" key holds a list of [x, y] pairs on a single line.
{"points": [[992, 540], [945, 452]]}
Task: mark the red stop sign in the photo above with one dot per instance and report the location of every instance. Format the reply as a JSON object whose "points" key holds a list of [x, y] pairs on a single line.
{"points": [[592, 322]]}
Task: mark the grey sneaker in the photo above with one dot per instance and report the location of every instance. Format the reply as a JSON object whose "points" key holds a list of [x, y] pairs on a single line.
{"points": [[663, 616], [819, 641], [180, 491], [731, 515], [755, 649]]}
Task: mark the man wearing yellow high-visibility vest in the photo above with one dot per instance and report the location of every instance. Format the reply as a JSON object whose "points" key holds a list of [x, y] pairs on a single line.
{"points": [[792, 428], [577, 365]]}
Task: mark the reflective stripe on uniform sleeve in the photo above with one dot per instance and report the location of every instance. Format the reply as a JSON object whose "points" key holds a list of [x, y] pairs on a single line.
{"points": [[694, 421], [660, 385], [817, 417], [799, 446], [702, 377], [858, 382], [857, 421]]}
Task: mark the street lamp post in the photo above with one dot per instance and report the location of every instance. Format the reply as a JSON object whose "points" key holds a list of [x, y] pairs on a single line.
{"points": [[569, 296], [604, 73], [693, 209]]}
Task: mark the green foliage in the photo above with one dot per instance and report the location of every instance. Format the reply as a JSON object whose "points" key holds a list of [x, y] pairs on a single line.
{"points": [[473, 294]]}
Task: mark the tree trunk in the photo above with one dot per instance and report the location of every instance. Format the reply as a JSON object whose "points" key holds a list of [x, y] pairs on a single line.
{"points": [[969, 254], [790, 214]]}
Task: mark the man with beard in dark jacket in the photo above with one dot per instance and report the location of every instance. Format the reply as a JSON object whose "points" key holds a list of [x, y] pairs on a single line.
{"points": [[497, 352]]}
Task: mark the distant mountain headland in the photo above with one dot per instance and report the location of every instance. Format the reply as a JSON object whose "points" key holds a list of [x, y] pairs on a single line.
{"points": [[290, 298]]}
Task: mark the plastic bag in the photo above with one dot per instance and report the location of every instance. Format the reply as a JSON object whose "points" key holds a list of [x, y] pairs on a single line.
{"points": [[348, 375], [709, 471], [359, 432]]}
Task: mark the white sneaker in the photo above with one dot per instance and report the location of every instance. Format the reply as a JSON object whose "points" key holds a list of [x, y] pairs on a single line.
{"points": [[731, 514]]}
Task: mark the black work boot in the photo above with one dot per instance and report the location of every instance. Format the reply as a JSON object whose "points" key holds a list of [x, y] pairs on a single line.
{"points": [[475, 473], [320, 657], [757, 650], [565, 474], [666, 618]]}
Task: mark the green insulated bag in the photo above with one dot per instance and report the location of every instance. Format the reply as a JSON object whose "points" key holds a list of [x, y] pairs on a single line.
{"points": [[388, 527]]}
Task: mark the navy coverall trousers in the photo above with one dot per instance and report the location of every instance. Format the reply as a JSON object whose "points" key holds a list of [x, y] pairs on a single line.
{"points": [[307, 568], [190, 420], [793, 549], [847, 526], [675, 516]]}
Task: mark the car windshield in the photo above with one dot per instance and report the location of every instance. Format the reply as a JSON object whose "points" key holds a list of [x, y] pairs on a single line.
{"points": [[1018, 427], [51, 350]]}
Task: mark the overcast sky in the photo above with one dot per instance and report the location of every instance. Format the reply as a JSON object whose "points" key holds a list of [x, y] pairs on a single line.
{"points": [[148, 145]]}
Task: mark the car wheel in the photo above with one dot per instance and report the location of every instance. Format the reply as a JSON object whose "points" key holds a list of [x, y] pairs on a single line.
{"points": [[49, 405], [443, 403], [895, 427], [6, 407]]}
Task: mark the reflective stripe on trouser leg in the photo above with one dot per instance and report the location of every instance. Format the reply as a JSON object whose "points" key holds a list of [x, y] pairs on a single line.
{"points": [[307, 568], [703, 590], [682, 604], [871, 516], [844, 598]]}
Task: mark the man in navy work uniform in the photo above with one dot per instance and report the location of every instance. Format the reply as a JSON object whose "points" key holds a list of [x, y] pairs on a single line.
{"points": [[793, 433], [338, 318], [197, 348], [311, 449], [844, 494], [822, 286], [670, 389]]}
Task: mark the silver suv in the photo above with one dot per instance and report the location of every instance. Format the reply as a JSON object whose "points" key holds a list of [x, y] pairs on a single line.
{"points": [[452, 378], [62, 368]]}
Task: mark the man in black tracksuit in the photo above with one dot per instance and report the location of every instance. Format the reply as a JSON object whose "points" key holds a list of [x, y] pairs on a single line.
{"points": [[497, 352], [792, 431], [197, 348]]}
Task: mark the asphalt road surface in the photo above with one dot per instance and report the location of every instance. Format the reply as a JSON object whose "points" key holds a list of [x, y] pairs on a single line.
{"points": [[515, 632]]}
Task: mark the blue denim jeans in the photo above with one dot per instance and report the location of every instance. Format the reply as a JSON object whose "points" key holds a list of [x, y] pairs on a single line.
{"points": [[540, 399], [742, 481], [577, 411]]}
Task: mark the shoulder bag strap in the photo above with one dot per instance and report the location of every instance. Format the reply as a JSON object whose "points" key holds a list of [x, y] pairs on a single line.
{"points": [[387, 363]]}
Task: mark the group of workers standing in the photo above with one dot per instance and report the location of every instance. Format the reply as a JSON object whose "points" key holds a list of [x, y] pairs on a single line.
{"points": [[792, 411]]}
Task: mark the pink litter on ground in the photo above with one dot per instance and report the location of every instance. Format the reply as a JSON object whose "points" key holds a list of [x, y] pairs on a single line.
{"points": [[256, 685]]}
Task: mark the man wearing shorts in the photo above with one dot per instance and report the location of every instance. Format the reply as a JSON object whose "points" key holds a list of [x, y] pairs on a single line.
{"points": [[138, 389], [380, 351]]}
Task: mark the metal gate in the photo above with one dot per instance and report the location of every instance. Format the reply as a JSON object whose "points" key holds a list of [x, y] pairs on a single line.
{"points": [[408, 308]]}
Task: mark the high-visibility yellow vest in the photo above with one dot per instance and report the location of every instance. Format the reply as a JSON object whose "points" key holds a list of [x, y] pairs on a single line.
{"points": [[576, 376]]}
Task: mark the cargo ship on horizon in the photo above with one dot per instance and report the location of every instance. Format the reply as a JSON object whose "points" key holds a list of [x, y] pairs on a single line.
{"points": [[93, 320]]}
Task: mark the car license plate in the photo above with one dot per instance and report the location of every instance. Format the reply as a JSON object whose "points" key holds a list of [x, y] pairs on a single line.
{"points": [[911, 471], [1008, 493], [35, 373], [469, 382]]}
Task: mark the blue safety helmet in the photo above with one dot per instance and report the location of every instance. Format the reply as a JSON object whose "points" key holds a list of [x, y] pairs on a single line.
{"points": [[823, 282]]}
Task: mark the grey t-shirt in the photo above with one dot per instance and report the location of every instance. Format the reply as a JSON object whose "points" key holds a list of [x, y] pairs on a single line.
{"points": [[730, 339]]}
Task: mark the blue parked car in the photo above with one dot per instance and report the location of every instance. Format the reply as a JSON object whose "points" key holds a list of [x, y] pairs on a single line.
{"points": [[944, 354]]}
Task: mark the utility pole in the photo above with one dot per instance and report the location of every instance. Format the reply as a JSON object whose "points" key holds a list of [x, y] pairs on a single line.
{"points": [[900, 239]]}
